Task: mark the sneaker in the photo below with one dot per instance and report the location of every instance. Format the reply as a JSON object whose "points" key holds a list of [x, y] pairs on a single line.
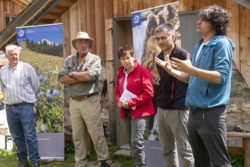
{"points": [[104, 163], [23, 164], [35, 165]]}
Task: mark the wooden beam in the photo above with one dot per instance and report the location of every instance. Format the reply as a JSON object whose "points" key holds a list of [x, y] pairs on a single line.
{"points": [[110, 75], [238, 135], [21, 3], [52, 16], [244, 149], [66, 3]]}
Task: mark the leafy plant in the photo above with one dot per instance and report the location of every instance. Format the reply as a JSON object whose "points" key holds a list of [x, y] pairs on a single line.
{"points": [[237, 160], [69, 147], [49, 107]]}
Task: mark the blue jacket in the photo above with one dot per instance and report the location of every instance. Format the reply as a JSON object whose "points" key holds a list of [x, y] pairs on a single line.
{"points": [[215, 55]]}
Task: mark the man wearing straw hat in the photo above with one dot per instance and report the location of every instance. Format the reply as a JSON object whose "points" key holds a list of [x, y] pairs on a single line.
{"points": [[81, 71]]}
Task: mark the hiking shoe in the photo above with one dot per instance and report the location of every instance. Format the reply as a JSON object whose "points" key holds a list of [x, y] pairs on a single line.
{"points": [[23, 164], [35, 165], [104, 163]]}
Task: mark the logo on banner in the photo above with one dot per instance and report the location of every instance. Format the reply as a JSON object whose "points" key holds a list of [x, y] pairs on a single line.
{"points": [[136, 19], [20, 33]]}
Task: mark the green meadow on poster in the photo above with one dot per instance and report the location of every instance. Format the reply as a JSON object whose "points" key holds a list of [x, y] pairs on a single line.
{"points": [[43, 49]]}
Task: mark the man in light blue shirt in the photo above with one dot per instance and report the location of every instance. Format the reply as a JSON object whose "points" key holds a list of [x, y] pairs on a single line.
{"points": [[20, 85]]}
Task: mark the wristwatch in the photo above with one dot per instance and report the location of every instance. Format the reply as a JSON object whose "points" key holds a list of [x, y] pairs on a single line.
{"points": [[71, 75]]}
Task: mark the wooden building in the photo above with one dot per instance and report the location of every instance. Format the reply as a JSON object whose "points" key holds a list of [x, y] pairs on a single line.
{"points": [[108, 22], [9, 10]]}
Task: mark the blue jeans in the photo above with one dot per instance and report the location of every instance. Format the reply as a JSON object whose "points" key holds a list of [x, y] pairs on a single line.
{"points": [[135, 129], [21, 124]]}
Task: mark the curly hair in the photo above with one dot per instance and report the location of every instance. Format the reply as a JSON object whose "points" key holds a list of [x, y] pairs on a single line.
{"points": [[217, 16]]}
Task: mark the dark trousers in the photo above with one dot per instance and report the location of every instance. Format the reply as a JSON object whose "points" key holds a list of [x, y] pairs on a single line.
{"points": [[207, 135]]}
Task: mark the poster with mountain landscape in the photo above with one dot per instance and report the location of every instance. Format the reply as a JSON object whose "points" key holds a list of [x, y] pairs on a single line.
{"points": [[144, 23], [42, 47]]}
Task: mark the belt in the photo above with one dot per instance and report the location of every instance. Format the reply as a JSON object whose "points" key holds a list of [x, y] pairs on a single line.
{"points": [[81, 98], [208, 109], [16, 104]]}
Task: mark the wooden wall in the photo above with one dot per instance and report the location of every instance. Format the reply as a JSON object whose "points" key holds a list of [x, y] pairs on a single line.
{"points": [[90, 16], [8, 7], [95, 17]]}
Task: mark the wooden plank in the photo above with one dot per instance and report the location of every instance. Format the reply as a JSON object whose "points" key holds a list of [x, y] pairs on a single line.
{"points": [[234, 30], [245, 149], [140, 5], [66, 3], [66, 35], [21, 3], [82, 15], [99, 28], [235, 150], [90, 19], [134, 5], [115, 8], [238, 135], [188, 5], [2, 20], [247, 152], [74, 26], [108, 9], [221, 3], [205, 3], [118, 8], [159, 2], [110, 75], [245, 43], [126, 8], [145, 4], [8, 8]]}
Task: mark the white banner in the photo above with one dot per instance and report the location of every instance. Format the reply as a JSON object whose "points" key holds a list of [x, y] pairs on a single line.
{"points": [[144, 23]]}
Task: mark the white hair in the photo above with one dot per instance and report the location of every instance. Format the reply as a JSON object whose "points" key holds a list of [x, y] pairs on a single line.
{"points": [[11, 47]]}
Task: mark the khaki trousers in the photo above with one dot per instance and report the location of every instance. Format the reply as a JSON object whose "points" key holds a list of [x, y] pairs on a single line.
{"points": [[173, 136], [85, 116]]}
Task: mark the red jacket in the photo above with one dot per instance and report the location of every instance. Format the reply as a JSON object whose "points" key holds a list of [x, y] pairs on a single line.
{"points": [[139, 83]]}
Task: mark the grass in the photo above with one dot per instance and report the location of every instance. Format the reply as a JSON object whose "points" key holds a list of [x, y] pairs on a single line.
{"points": [[43, 61], [8, 157]]}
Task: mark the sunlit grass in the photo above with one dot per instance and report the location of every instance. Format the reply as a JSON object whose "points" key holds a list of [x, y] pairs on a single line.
{"points": [[8, 159], [42, 61]]}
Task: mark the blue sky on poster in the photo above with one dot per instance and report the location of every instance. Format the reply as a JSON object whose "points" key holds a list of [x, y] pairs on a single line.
{"points": [[50, 32]]}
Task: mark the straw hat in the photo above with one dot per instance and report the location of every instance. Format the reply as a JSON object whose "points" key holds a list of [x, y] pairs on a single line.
{"points": [[82, 35]]}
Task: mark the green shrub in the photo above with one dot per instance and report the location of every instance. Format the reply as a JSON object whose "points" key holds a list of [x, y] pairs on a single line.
{"points": [[237, 160], [49, 106]]}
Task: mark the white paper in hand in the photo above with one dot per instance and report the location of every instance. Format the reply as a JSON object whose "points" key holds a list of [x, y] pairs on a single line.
{"points": [[126, 95]]}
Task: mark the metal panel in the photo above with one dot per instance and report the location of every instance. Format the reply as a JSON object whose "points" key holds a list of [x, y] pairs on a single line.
{"points": [[189, 36], [51, 146]]}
